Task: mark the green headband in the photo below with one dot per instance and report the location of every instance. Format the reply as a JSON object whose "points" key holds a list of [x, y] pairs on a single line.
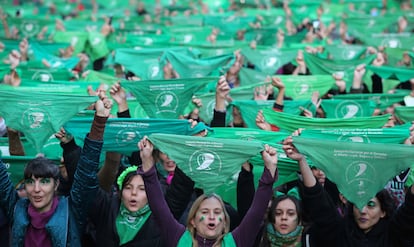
{"points": [[121, 177]]}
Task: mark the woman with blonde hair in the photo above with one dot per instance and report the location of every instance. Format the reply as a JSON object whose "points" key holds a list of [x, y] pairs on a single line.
{"points": [[208, 222]]}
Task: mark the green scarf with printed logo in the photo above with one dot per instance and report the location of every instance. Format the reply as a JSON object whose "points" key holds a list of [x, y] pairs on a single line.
{"points": [[144, 63], [29, 26], [320, 66], [210, 162], [348, 108], [345, 52], [39, 115], [269, 60], [129, 223], [77, 39], [392, 40], [359, 170], [249, 108], [55, 62], [166, 98], [302, 87], [46, 75], [382, 100], [291, 122], [189, 67], [96, 46], [386, 72], [122, 134], [382, 135]]}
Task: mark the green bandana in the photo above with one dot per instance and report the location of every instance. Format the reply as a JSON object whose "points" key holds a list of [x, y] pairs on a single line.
{"points": [[39, 115], [382, 100], [210, 162], [122, 134], [348, 108], [293, 239], [189, 67], [381, 135], [386, 72], [291, 122], [186, 240], [144, 62], [302, 87], [166, 98], [359, 170], [319, 66], [345, 52], [55, 62], [269, 60], [129, 223], [405, 113]]}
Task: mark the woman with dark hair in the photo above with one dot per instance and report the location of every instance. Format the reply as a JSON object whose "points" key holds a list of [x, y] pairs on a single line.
{"points": [[44, 218], [284, 222], [207, 223], [376, 224]]}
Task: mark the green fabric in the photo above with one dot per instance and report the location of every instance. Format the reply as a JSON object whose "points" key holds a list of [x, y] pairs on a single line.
{"points": [[394, 135], [77, 39], [348, 108], [15, 166], [122, 134], [291, 122], [404, 113], [96, 46], [386, 72], [382, 100], [186, 240], [46, 75], [95, 76], [359, 170], [39, 115], [302, 87], [70, 87], [166, 98], [370, 24], [189, 67], [29, 27], [248, 134], [292, 239], [392, 40], [250, 76], [210, 162], [321, 66], [269, 60], [129, 223], [55, 62], [144, 62], [249, 108], [345, 52]]}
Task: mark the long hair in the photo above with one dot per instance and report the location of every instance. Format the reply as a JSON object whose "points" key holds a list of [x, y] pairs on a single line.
{"points": [[277, 200], [193, 212], [386, 204]]}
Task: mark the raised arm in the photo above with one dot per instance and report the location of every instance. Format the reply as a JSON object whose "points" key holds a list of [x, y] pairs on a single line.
{"points": [[245, 234], [171, 230], [85, 185]]}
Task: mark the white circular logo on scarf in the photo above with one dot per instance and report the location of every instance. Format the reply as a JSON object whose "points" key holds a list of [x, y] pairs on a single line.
{"points": [[166, 102], [205, 161], [348, 109], [42, 75], [29, 28], [360, 175], [34, 118], [125, 137]]}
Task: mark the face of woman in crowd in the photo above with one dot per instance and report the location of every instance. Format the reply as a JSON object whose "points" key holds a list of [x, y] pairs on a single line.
{"points": [[319, 175], [40, 192], [286, 217], [209, 220], [134, 196], [369, 216], [168, 164]]}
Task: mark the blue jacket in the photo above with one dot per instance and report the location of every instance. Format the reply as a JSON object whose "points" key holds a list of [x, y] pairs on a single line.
{"points": [[67, 223]]}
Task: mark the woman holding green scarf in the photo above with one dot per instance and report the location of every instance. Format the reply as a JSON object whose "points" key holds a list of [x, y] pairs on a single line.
{"points": [[207, 222], [284, 222], [122, 219]]}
